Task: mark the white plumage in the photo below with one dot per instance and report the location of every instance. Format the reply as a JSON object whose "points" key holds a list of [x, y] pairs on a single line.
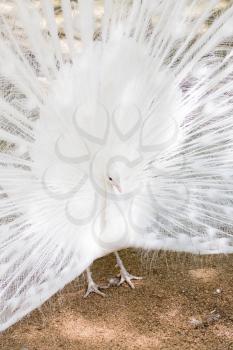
{"points": [[123, 139]]}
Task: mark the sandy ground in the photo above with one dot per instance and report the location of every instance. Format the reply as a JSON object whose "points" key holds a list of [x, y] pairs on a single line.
{"points": [[183, 302]]}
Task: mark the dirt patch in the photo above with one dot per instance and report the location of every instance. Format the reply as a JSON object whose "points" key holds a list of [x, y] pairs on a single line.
{"points": [[182, 303]]}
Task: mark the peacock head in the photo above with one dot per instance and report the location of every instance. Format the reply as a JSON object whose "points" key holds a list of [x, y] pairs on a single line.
{"points": [[115, 178], [122, 175], [115, 183]]}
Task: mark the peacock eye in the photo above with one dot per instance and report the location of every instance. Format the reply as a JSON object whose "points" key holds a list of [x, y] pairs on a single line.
{"points": [[110, 178]]}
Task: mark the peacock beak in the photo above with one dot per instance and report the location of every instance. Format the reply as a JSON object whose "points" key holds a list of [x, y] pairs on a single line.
{"points": [[118, 187]]}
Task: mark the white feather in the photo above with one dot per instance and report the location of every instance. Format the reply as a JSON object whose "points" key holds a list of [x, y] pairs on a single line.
{"points": [[145, 107]]}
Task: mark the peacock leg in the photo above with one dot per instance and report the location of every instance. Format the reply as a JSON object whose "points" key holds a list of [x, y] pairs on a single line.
{"points": [[125, 276], [92, 287]]}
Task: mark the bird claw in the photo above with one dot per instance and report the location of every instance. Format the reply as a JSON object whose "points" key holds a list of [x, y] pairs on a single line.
{"points": [[125, 276], [94, 288]]}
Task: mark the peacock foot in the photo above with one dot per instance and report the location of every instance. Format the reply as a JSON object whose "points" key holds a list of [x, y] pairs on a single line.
{"points": [[92, 287], [124, 275]]}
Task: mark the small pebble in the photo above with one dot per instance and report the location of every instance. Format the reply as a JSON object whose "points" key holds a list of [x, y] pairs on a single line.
{"points": [[213, 317], [196, 323], [218, 291], [113, 281]]}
